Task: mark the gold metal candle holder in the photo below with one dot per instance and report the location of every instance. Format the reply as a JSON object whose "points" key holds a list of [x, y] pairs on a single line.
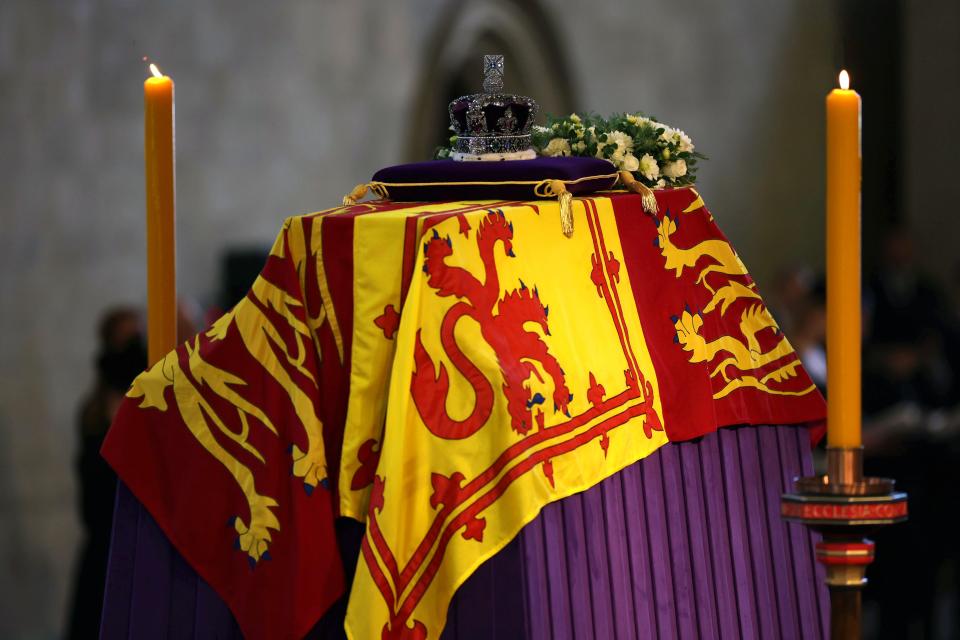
{"points": [[844, 507]]}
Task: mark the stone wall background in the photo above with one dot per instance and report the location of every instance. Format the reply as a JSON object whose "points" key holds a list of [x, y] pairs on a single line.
{"points": [[281, 109], [931, 102]]}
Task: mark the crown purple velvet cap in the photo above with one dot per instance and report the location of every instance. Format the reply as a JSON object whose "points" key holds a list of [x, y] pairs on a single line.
{"points": [[439, 180]]}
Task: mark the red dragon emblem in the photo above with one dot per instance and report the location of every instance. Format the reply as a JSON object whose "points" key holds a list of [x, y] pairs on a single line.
{"points": [[501, 320]]}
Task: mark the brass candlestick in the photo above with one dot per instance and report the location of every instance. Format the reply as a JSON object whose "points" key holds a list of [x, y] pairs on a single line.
{"points": [[845, 507]]}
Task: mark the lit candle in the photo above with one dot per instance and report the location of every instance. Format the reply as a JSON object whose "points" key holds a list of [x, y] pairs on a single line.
{"points": [[161, 206], [843, 266]]}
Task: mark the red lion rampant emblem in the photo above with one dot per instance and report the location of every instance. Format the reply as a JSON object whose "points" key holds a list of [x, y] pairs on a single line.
{"points": [[501, 321]]}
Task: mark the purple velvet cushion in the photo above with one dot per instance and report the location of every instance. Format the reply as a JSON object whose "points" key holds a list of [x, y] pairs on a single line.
{"points": [[507, 180]]}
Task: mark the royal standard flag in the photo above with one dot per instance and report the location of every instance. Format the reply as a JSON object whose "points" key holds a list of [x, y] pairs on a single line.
{"points": [[440, 372]]}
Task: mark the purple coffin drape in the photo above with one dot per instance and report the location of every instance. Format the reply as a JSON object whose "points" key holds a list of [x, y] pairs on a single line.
{"points": [[687, 543]]}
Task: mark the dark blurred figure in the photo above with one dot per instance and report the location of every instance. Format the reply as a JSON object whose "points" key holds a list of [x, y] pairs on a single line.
{"points": [[121, 357], [952, 346], [809, 335], [791, 297], [798, 303], [239, 268], [909, 392], [909, 329]]}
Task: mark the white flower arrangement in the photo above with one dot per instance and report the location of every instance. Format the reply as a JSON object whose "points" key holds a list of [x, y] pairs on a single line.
{"points": [[656, 154]]}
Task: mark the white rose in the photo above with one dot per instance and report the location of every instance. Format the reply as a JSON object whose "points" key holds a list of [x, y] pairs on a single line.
{"points": [[557, 147], [649, 167], [574, 117], [630, 163], [675, 169], [623, 141]]}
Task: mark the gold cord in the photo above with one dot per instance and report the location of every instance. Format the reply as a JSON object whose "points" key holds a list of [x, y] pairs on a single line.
{"points": [[633, 185], [541, 188], [557, 188], [356, 195]]}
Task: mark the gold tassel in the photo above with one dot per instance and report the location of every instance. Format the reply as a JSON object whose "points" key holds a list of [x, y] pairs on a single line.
{"points": [[566, 213], [633, 185], [357, 194], [565, 198]]}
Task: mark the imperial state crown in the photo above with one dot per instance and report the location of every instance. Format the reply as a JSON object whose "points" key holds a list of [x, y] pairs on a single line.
{"points": [[493, 125]]}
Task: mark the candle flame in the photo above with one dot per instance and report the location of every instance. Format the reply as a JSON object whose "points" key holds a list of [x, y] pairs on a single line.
{"points": [[156, 72], [844, 80]]}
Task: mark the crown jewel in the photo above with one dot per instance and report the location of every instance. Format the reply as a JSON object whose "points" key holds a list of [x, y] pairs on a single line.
{"points": [[492, 122]]}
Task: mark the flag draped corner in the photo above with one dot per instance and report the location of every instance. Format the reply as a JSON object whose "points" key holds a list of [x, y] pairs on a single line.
{"points": [[222, 441]]}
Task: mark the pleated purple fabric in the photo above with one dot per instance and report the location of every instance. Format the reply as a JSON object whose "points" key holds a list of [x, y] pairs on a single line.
{"points": [[687, 543]]}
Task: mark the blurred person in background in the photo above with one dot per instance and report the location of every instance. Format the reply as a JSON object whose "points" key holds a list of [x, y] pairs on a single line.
{"points": [[909, 394], [790, 298], [799, 305], [121, 357], [908, 329]]}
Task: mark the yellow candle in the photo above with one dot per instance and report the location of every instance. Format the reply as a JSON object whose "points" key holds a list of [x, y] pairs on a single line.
{"points": [[843, 266], [161, 207]]}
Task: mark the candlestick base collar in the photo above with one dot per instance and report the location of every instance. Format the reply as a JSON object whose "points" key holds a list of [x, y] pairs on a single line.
{"points": [[844, 506]]}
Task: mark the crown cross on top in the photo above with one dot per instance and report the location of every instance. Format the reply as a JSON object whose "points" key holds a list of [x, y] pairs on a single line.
{"points": [[493, 73]]}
